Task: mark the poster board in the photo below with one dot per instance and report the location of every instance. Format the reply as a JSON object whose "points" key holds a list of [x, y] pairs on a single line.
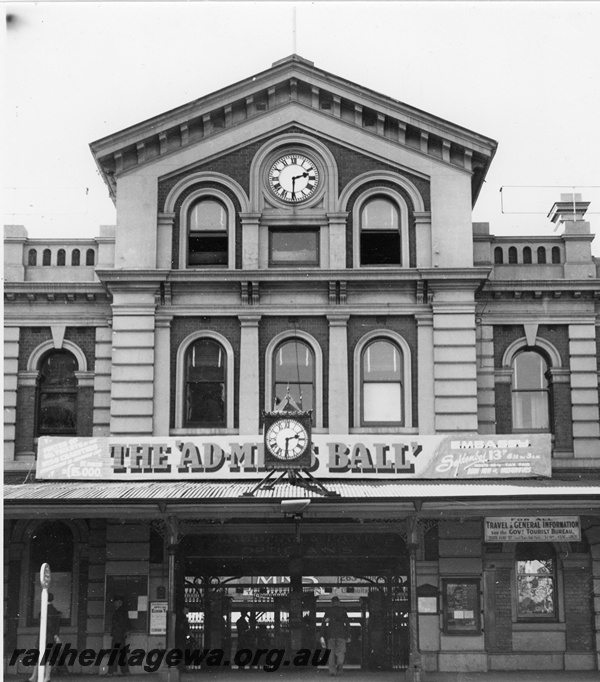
{"points": [[158, 617], [461, 606]]}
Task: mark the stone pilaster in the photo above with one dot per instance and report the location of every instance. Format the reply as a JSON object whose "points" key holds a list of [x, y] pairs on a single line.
{"points": [[102, 382], [162, 376], [584, 391], [164, 240], [486, 399], [337, 240], [250, 240], [338, 374], [249, 375], [425, 389], [11, 369]]}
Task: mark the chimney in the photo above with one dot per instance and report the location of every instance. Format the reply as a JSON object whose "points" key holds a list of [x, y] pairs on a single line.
{"points": [[569, 209]]}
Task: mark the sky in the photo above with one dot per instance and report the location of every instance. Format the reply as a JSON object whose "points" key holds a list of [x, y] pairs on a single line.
{"points": [[524, 74]]}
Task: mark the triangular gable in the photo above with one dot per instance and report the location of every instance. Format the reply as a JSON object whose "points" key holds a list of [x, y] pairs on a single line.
{"points": [[297, 81]]}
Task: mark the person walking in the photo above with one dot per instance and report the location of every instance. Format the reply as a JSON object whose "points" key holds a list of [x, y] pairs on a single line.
{"points": [[119, 627], [335, 632]]}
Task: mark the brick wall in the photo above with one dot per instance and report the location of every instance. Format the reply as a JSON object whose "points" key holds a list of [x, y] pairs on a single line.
{"points": [[229, 327], [358, 326], [577, 582]]}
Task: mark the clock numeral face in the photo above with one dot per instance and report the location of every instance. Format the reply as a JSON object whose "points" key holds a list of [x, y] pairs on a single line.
{"points": [[287, 439], [293, 178]]}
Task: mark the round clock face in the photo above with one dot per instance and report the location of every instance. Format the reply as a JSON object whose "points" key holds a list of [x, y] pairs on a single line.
{"points": [[293, 178], [287, 439]]}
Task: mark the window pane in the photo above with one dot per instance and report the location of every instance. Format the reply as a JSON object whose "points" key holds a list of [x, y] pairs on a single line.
{"points": [[294, 248], [205, 361], [58, 369], [535, 595], [530, 410], [205, 404], [381, 362], [208, 250], [379, 214], [382, 402], [57, 412], [294, 363], [208, 215], [529, 370], [380, 248]]}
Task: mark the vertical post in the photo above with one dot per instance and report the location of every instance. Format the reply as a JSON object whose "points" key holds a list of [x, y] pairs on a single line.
{"points": [[173, 538], [413, 674], [45, 577]]}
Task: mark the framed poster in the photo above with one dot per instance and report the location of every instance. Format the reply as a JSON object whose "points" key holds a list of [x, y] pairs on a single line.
{"points": [[461, 606], [158, 617]]}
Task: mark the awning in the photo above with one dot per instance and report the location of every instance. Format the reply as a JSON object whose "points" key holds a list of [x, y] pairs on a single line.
{"points": [[182, 492]]}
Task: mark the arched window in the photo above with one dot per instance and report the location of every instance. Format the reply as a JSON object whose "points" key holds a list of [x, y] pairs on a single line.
{"points": [[51, 543], [32, 257], [541, 255], [536, 581], [382, 384], [57, 394], [61, 257], [498, 255], [47, 257], [75, 257], [530, 403], [207, 233], [512, 254], [527, 255], [205, 398], [380, 233], [294, 372], [556, 254], [90, 257]]}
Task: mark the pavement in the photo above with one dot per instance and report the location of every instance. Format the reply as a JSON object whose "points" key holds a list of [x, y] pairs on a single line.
{"points": [[321, 674]]}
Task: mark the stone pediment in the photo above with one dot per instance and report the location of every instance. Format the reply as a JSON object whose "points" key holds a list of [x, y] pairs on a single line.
{"points": [[294, 85]]}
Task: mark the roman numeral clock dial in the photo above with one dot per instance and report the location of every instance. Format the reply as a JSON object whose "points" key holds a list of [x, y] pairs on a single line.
{"points": [[287, 440], [293, 178]]}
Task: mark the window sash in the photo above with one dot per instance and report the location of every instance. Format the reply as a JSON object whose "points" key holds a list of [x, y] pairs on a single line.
{"points": [[293, 247]]}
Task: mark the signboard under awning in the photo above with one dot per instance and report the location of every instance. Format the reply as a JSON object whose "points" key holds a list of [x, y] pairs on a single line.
{"points": [[532, 529], [347, 457]]}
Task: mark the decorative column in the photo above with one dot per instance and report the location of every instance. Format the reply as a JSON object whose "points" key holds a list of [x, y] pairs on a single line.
{"points": [[413, 674], [26, 414], [425, 360], [162, 376], [337, 240], [486, 403], [249, 409], [423, 239], [11, 369], [85, 403], [132, 394], [102, 382], [250, 240], [338, 374], [165, 240], [584, 389]]}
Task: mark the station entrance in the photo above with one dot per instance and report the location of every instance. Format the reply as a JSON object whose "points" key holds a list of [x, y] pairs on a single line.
{"points": [[264, 590]]}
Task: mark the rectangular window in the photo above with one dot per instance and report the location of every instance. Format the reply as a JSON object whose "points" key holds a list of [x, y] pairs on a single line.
{"points": [[462, 610], [293, 247], [382, 403], [380, 248], [208, 249]]}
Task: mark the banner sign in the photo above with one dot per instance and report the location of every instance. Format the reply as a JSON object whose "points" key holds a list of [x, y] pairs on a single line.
{"points": [[532, 529], [363, 456]]}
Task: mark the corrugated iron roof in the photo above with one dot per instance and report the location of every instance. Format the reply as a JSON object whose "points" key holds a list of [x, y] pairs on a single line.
{"points": [[183, 491]]}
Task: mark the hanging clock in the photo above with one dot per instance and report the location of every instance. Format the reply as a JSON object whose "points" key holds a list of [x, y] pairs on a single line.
{"points": [[287, 440], [293, 178]]}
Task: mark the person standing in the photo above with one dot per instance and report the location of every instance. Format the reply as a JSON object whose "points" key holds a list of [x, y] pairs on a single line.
{"points": [[119, 627], [335, 631]]}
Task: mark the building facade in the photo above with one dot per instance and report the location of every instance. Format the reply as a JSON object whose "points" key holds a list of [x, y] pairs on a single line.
{"points": [[298, 240]]}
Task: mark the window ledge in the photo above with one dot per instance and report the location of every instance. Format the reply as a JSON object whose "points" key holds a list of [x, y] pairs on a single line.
{"points": [[204, 432], [385, 429], [524, 626]]}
